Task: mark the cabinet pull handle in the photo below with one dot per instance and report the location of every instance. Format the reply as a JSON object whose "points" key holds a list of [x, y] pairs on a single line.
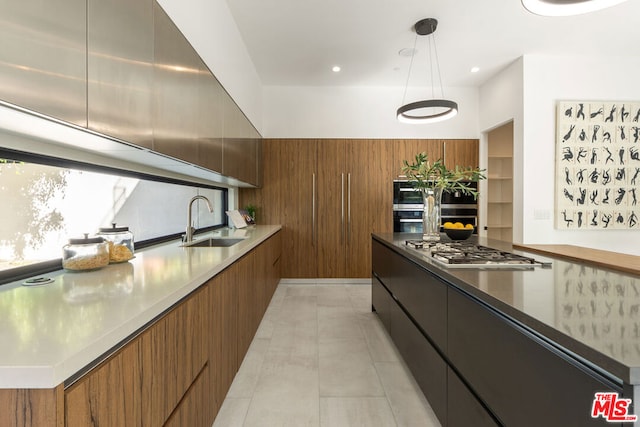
{"points": [[342, 208], [313, 210], [444, 152], [349, 207]]}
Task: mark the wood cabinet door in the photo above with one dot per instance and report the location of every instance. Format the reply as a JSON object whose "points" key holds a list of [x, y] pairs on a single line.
{"points": [[192, 409], [110, 395], [369, 200], [244, 275], [223, 336], [32, 407], [299, 182], [461, 152], [174, 351], [406, 149], [332, 208]]}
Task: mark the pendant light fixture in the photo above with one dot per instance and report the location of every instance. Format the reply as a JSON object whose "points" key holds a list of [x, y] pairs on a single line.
{"points": [[566, 7], [430, 110]]}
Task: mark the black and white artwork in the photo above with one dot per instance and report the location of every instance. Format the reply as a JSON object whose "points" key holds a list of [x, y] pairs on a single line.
{"points": [[598, 165]]}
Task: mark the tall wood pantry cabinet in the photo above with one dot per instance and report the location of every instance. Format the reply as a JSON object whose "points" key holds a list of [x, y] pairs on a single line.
{"points": [[329, 195]]}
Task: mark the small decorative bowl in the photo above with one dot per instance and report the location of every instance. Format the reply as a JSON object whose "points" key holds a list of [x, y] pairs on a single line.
{"points": [[459, 233]]}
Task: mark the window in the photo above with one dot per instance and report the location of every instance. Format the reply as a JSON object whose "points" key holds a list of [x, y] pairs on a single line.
{"points": [[45, 205]]}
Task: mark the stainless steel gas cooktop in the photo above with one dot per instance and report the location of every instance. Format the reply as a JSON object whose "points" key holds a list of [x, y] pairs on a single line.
{"points": [[470, 255]]}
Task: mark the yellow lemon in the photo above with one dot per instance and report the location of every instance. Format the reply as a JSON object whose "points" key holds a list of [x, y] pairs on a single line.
{"points": [[469, 226], [458, 225], [448, 224]]}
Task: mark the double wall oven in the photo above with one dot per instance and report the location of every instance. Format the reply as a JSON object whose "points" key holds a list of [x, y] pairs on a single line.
{"points": [[407, 208]]}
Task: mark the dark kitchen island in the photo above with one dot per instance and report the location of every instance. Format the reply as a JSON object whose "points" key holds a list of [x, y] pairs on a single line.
{"points": [[514, 346]]}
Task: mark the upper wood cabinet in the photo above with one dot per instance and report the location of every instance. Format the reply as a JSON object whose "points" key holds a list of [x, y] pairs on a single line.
{"points": [[460, 152], [120, 69], [44, 57], [406, 149]]}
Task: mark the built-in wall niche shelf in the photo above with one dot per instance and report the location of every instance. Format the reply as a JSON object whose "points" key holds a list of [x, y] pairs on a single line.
{"points": [[500, 183], [597, 165]]}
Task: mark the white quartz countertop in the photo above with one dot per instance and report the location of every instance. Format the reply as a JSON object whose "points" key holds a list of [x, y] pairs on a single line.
{"points": [[50, 332]]}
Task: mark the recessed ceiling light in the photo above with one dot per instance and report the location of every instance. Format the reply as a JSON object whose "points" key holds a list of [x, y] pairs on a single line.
{"points": [[566, 7], [475, 69], [336, 69]]}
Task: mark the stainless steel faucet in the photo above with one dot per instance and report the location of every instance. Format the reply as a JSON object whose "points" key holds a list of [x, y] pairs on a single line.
{"points": [[189, 235]]}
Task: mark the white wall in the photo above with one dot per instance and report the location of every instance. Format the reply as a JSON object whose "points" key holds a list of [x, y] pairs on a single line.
{"points": [[545, 80], [358, 112], [212, 31], [548, 79], [501, 101]]}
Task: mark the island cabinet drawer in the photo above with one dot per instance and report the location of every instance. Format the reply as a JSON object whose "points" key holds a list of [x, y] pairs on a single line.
{"points": [[424, 362], [421, 294], [381, 301], [523, 380], [422, 359], [463, 409]]}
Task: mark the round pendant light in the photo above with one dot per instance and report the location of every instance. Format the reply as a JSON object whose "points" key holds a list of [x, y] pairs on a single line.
{"points": [[567, 7], [430, 110]]}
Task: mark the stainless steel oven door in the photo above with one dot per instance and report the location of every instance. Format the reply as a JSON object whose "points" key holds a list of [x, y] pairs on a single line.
{"points": [[405, 195], [407, 221]]}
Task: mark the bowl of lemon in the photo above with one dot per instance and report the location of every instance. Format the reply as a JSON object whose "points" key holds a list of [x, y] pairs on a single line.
{"points": [[457, 230]]}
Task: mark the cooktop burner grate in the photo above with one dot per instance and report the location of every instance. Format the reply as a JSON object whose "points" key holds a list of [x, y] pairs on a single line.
{"points": [[470, 254]]}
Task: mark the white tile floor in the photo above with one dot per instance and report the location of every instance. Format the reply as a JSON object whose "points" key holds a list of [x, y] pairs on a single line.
{"points": [[322, 358]]}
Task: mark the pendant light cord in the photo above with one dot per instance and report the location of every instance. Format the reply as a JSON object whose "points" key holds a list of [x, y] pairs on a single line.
{"points": [[413, 54], [435, 50]]}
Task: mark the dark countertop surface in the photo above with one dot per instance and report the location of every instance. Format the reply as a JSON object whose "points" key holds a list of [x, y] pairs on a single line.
{"points": [[589, 311]]}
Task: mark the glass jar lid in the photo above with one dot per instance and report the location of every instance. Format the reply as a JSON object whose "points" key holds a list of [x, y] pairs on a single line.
{"points": [[86, 240], [113, 229]]}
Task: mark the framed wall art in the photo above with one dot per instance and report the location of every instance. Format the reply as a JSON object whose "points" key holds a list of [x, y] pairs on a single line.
{"points": [[597, 165]]}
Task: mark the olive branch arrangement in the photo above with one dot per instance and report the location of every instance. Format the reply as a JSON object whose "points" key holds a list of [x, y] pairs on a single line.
{"points": [[426, 174]]}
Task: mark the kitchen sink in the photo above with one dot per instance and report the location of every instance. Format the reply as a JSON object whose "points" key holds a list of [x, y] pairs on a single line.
{"points": [[214, 243]]}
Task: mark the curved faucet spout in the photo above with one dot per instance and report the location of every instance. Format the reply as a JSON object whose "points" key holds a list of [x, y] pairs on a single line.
{"points": [[189, 235]]}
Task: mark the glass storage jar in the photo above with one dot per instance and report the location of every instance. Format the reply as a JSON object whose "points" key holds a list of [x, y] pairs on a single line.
{"points": [[120, 241], [88, 253]]}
